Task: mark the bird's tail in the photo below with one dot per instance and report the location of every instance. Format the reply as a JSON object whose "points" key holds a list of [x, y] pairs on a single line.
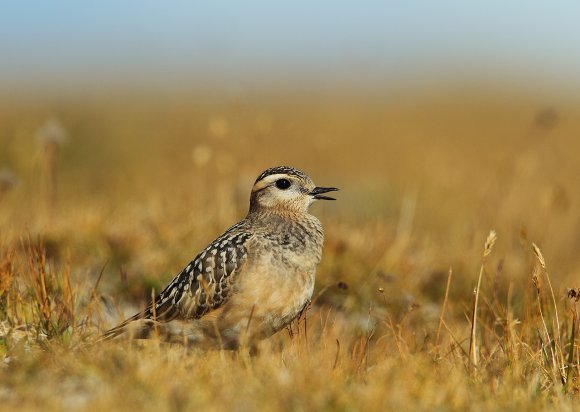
{"points": [[145, 323], [138, 325]]}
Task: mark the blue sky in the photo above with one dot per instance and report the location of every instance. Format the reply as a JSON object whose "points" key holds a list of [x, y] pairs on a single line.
{"points": [[52, 42]]}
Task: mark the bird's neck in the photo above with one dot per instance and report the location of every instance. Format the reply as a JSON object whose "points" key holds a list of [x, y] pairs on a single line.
{"points": [[276, 214]]}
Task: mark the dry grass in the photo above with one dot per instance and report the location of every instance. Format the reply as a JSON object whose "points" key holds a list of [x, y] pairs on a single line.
{"points": [[402, 318]]}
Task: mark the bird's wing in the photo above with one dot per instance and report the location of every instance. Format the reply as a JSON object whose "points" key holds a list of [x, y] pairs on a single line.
{"points": [[203, 285]]}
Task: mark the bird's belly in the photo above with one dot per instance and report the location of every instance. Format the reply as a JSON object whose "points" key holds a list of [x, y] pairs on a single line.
{"points": [[265, 303]]}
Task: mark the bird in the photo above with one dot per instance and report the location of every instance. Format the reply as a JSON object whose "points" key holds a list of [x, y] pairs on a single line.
{"points": [[254, 279]]}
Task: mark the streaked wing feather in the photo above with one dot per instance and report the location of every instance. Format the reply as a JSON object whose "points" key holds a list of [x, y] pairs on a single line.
{"points": [[203, 285]]}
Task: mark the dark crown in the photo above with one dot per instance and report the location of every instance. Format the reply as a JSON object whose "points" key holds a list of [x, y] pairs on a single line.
{"points": [[282, 170]]}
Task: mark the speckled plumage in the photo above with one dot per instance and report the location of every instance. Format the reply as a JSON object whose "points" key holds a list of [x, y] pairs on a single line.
{"points": [[254, 279]]}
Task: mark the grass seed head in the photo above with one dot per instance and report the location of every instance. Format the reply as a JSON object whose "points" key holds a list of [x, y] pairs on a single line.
{"points": [[489, 243], [539, 255]]}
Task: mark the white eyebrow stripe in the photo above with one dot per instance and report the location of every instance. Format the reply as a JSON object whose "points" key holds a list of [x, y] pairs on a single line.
{"points": [[269, 180]]}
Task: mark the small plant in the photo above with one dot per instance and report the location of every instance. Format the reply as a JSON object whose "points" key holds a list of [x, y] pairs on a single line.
{"points": [[33, 295], [51, 137]]}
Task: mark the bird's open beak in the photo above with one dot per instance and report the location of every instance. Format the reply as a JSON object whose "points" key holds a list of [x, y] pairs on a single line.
{"points": [[318, 191]]}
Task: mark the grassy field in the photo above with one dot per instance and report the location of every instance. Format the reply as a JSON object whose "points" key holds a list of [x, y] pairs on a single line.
{"points": [[418, 305]]}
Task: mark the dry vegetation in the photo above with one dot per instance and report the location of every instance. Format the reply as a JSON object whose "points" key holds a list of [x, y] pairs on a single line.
{"points": [[418, 304]]}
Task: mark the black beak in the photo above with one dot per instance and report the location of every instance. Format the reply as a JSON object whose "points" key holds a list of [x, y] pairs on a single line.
{"points": [[318, 191]]}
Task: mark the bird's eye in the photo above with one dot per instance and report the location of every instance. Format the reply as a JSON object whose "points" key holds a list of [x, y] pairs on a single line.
{"points": [[283, 184]]}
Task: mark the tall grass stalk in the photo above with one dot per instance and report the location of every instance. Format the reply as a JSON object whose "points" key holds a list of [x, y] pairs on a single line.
{"points": [[489, 243]]}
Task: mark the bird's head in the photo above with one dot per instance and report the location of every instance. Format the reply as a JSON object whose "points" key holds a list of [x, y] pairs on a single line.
{"points": [[286, 189]]}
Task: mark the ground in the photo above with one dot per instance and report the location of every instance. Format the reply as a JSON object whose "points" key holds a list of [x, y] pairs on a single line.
{"points": [[418, 305]]}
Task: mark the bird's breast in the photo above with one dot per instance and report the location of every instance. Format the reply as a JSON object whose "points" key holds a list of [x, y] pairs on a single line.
{"points": [[276, 281]]}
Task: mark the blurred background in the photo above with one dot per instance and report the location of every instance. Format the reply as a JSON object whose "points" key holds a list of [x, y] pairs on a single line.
{"points": [[368, 46], [131, 133]]}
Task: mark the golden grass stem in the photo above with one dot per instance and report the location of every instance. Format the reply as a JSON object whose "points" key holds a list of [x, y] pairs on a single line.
{"points": [[571, 345], [489, 243], [472, 339], [336, 357], [443, 307], [557, 336], [154, 312], [69, 296], [547, 332], [93, 294], [457, 342], [391, 325]]}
